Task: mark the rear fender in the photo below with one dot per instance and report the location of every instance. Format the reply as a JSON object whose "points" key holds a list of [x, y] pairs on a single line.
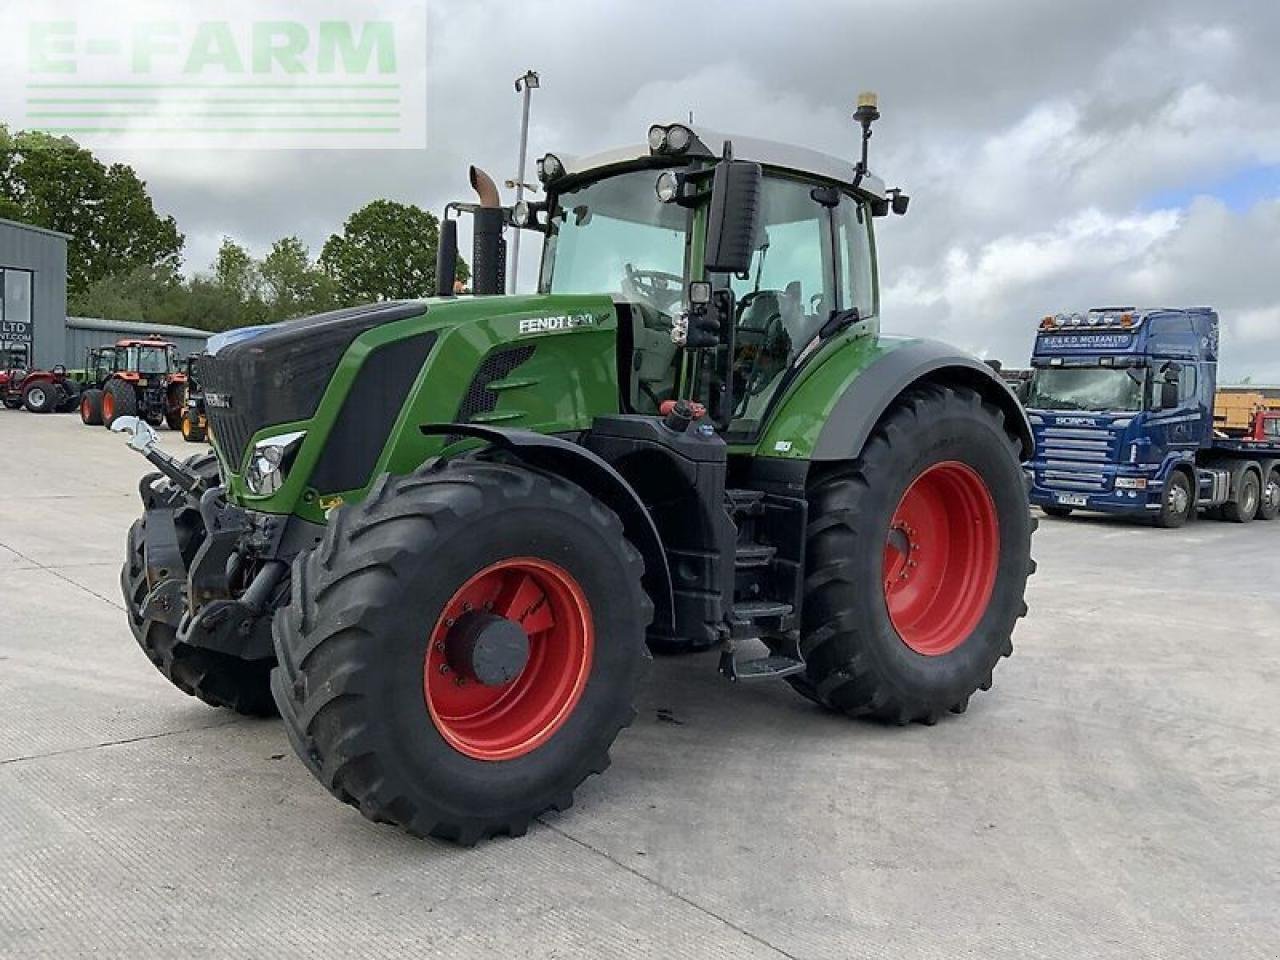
{"points": [[860, 408], [598, 478]]}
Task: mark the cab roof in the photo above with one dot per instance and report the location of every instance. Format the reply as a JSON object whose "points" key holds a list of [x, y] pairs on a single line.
{"points": [[710, 144]]}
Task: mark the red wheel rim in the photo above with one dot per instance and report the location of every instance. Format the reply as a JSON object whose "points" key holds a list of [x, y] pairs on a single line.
{"points": [[508, 721], [84, 409], [108, 406], [940, 558]]}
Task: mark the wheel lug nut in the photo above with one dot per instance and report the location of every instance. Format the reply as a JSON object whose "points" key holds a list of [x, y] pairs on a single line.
{"points": [[460, 681], [444, 668]]}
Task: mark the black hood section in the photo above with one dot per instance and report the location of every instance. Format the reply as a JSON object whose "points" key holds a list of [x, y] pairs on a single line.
{"points": [[277, 374]]}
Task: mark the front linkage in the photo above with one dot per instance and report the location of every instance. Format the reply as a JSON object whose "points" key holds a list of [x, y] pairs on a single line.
{"points": [[202, 578]]}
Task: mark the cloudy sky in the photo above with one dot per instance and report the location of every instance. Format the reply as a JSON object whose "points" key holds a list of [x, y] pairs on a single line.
{"points": [[1059, 155]]}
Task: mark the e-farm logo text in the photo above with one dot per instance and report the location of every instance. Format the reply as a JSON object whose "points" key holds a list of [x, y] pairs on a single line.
{"points": [[336, 74]]}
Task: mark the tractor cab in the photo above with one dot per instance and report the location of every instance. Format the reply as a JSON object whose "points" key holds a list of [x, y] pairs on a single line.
{"points": [[730, 261], [147, 358]]}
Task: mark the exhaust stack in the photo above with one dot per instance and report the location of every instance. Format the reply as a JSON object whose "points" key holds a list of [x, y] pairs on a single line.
{"points": [[489, 249]]}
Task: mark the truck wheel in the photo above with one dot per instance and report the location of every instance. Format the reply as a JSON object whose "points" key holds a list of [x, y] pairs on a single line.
{"points": [[918, 554], [462, 648], [1177, 504], [118, 400], [1269, 506], [1058, 513], [40, 398], [218, 679], [1245, 506], [91, 408]]}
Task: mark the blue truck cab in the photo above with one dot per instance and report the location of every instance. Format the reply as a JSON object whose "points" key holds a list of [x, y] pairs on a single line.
{"points": [[1121, 404]]}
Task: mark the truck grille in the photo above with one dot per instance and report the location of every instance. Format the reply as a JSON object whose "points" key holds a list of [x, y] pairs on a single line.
{"points": [[1075, 458]]}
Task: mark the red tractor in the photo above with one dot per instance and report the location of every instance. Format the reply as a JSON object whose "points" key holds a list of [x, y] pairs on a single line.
{"points": [[134, 378], [40, 391]]}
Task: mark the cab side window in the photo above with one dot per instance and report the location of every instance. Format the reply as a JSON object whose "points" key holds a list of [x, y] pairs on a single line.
{"points": [[856, 266]]}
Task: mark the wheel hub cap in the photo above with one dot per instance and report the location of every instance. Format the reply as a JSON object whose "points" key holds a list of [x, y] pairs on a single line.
{"points": [[508, 659], [940, 558], [486, 648]]}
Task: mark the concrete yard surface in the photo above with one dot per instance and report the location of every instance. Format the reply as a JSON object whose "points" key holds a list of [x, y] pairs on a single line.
{"points": [[1114, 795]]}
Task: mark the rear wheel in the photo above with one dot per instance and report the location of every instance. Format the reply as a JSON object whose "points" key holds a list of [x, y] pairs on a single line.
{"points": [[1177, 503], [918, 554], [1059, 513], [462, 649], [40, 397], [91, 407], [1248, 496], [1269, 506]]}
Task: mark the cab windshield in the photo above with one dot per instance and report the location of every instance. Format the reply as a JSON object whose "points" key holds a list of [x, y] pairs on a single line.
{"points": [[152, 359], [614, 236], [1086, 388]]}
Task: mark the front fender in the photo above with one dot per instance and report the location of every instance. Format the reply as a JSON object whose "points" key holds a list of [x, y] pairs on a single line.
{"points": [[598, 478], [830, 414]]}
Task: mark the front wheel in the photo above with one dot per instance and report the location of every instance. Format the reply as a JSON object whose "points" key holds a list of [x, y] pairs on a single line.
{"points": [[1177, 503], [463, 647], [91, 407], [917, 558]]}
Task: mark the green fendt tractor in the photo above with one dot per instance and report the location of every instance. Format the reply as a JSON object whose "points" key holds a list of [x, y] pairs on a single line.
{"points": [[440, 536]]}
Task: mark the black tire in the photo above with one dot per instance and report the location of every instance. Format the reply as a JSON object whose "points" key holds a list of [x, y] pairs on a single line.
{"points": [[857, 662], [192, 432], [1058, 513], [218, 679], [352, 645], [40, 397], [1269, 505], [1245, 506], [1177, 504], [124, 402], [69, 398], [91, 407], [175, 406]]}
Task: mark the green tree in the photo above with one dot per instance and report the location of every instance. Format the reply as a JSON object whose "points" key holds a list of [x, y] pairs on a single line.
{"points": [[292, 284], [386, 251], [52, 182]]}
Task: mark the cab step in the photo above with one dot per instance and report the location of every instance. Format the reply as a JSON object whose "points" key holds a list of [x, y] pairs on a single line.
{"points": [[785, 661], [753, 610], [745, 503], [752, 555]]}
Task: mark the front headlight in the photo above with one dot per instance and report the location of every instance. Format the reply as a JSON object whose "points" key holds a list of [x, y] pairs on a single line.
{"points": [[269, 462], [1131, 483]]}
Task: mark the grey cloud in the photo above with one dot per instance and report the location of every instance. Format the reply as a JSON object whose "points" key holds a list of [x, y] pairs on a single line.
{"points": [[1023, 129]]}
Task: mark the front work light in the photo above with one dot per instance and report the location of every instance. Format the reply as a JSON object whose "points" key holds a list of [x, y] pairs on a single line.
{"points": [[520, 214], [668, 186], [550, 168], [270, 461]]}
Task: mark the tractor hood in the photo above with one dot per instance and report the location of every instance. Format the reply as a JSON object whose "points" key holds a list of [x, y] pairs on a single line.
{"points": [[258, 377]]}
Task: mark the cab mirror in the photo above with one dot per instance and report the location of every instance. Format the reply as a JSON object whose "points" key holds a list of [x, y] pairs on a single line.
{"points": [[1169, 394], [733, 221]]}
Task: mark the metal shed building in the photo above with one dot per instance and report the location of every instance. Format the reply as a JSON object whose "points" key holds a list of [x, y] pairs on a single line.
{"points": [[85, 332], [33, 289]]}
